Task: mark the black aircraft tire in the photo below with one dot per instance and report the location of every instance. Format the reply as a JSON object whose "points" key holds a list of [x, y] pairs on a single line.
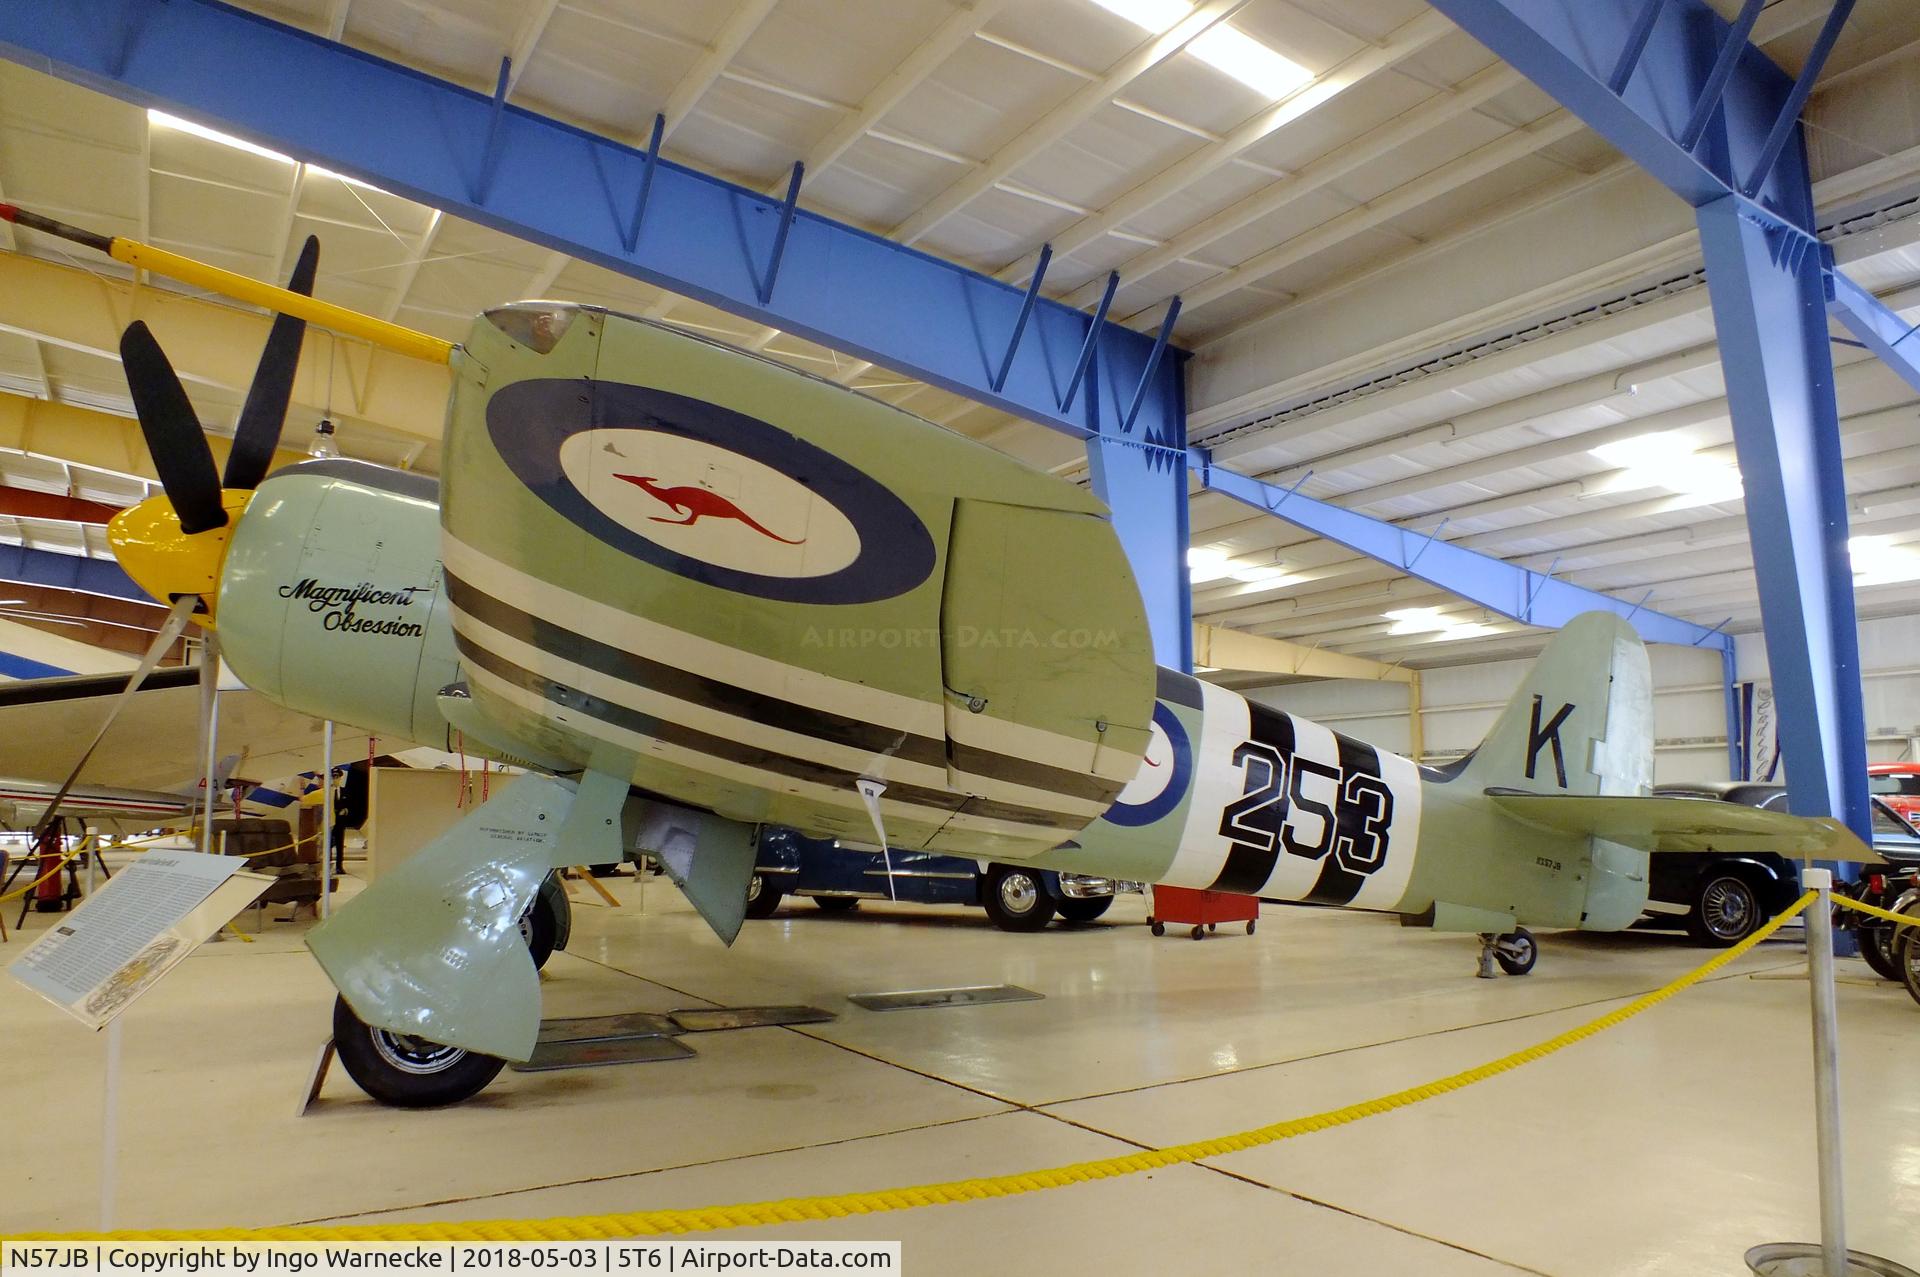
{"points": [[837, 904], [1015, 900], [406, 1072], [1084, 910], [539, 929], [1528, 952], [762, 897], [1726, 910]]}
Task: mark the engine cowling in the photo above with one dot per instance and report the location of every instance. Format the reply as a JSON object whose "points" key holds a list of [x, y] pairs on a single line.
{"points": [[331, 597]]}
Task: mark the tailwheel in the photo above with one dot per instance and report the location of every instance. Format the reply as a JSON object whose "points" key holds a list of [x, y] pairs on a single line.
{"points": [[405, 1071], [1515, 951]]}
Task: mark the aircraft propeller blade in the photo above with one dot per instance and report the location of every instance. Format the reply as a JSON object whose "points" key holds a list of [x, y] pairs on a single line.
{"points": [[175, 440], [170, 630], [265, 413]]}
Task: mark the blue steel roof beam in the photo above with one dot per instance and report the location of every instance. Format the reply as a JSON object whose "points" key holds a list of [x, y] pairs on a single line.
{"points": [[1878, 327], [28, 566], [1731, 49], [570, 190], [1521, 594], [1572, 50], [1786, 124]]}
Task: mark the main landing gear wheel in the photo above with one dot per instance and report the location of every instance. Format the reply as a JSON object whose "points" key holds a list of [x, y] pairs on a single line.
{"points": [[405, 1071], [1015, 900], [1084, 910], [539, 928], [1515, 951], [762, 897]]}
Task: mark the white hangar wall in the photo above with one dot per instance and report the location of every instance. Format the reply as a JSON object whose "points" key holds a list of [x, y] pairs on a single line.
{"points": [[1890, 682], [1461, 701]]}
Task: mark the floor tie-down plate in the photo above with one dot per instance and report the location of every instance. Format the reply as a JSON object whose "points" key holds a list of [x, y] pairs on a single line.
{"points": [[639, 1037]]}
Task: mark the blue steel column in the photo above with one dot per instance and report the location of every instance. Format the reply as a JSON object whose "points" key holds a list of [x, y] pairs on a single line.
{"points": [[1769, 308], [1684, 94]]}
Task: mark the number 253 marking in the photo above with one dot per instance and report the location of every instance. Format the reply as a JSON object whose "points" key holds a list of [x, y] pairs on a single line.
{"points": [[1351, 815]]}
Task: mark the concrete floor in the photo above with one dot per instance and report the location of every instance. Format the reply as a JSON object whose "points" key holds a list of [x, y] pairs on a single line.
{"points": [[1668, 1145]]}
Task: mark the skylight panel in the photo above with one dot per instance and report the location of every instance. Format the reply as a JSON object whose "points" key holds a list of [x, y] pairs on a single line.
{"points": [[1668, 460], [1226, 49], [1878, 561]]}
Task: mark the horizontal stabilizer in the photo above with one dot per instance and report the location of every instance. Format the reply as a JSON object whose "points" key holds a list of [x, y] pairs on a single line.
{"points": [[1685, 824]]}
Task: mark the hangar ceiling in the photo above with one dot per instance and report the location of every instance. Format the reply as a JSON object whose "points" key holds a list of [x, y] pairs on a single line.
{"points": [[1402, 267]]}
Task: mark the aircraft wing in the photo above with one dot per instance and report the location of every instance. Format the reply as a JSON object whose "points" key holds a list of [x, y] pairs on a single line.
{"points": [[45, 723], [1661, 823], [23, 802]]}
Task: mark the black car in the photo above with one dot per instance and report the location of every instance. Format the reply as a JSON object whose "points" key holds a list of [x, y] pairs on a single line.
{"points": [[1721, 897]]}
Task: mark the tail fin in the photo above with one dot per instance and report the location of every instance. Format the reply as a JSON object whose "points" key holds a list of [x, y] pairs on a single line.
{"points": [[1581, 721]]}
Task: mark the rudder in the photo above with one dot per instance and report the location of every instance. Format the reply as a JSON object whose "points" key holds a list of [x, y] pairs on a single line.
{"points": [[1581, 721]]}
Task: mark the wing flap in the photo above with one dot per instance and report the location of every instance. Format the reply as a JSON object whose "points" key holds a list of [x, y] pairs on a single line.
{"points": [[1675, 824]]}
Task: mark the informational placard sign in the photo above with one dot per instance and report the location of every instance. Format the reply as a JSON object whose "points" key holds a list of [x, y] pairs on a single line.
{"points": [[150, 915]]}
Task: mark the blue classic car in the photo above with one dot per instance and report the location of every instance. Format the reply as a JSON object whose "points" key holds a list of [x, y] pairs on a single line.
{"points": [[838, 878]]}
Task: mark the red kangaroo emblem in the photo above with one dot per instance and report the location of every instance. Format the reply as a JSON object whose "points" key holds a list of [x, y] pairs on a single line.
{"points": [[697, 504]]}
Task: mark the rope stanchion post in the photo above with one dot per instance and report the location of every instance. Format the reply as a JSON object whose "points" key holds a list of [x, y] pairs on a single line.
{"points": [[1826, 1073], [1832, 1255]]}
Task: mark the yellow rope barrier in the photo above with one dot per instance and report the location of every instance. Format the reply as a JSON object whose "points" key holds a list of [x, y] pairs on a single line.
{"points": [[1898, 919], [796, 1210], [76, 853]]}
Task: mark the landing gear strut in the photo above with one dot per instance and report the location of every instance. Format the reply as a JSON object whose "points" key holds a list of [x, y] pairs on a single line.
{"points": [[1515, 952]]}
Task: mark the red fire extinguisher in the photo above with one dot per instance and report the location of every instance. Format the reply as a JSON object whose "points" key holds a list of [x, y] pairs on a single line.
{"points": [[50, 893]]}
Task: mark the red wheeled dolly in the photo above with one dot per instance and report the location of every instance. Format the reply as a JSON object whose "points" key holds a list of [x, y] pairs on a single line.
{"points": [[1204, 911]]}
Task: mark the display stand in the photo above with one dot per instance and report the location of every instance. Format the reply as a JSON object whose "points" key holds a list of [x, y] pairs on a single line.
{"points": [[118, 944]]}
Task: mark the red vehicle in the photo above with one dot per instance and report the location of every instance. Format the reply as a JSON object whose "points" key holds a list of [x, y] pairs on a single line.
{"points": [[1897, 785]]}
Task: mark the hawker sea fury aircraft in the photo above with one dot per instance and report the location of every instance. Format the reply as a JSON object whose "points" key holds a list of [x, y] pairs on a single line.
{"points": [[697, 592]]}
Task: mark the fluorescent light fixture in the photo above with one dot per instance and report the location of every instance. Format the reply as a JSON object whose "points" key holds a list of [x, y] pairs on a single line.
{"points": [[1427, 620], [160, 119], [1226, 49], [1667, 460], [1878, 561], [314, 170], [1274, 574]]}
